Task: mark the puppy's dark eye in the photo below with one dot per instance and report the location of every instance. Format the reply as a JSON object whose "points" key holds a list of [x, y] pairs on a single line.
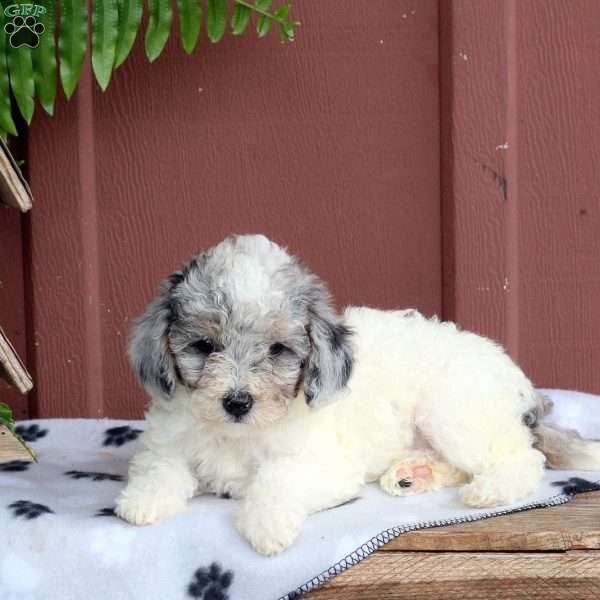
{"points": [[276, 349], [204, 346]]}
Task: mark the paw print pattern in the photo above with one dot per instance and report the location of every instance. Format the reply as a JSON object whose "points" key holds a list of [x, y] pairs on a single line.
{"points": [[30, 433], [106, 512], [210, 583], [15, 465], [94, 476], [117, 436], [577, 485], [29, 510], [24, 31]]}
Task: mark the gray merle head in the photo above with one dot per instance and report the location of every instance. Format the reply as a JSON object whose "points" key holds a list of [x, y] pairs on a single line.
{"points": [[242, 330]]}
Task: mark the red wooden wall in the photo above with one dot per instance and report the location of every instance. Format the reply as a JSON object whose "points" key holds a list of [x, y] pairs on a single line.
{"points": [[12, 298], [521, 184], [430, 154]]}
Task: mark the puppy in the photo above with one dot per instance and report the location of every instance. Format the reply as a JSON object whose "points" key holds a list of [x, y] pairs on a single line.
{"points": [[262, 392]]}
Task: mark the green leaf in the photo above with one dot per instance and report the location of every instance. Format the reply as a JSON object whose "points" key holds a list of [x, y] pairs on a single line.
{"points": [[130, 17], [6, 417], [216, 19], [159, 27], [286, 28], [287, 32], [20, 68], [72, 42], [240, 18], [282, 12], [44, 60], [105, 17], [6, 120], [263, 25], [189, 23]]}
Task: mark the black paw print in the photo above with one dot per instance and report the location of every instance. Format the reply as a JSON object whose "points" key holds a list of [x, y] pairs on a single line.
{"points": [[30, 433], [15, 465], [94, 476], [117, 436], [24, 32], [210, 583], [577, 485], [29, 510], [106, 512]]}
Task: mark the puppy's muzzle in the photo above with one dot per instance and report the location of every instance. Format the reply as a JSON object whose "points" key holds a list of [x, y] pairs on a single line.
{"points": [[238, 404]]}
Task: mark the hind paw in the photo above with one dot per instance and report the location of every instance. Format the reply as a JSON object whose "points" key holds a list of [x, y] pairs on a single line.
{"points": [[419, 472]]}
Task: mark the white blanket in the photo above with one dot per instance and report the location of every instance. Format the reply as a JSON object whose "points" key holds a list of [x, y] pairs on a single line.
{"points": [[60, 540]]}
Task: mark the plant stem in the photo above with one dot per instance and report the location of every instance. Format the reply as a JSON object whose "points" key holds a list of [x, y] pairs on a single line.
{"points": [[265, 13]]}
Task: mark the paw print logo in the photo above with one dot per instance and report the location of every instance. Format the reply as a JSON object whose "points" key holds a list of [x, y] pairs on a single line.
{"points": [[24, 31], [15, 465], [29, 510], [30, 433], [112, 544], [106, 512], [210, 583], [577, 485], [94, 476], [117, 436]]}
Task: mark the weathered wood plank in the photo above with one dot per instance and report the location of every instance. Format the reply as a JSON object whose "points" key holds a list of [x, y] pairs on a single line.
{"points": [[510, 576], [11, 367], [572, 526], [14, 190], [10, 448], [12, 301]]}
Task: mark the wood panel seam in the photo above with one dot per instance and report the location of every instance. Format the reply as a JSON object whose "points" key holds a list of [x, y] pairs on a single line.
{"points": [[511, 238], [90, 258]]}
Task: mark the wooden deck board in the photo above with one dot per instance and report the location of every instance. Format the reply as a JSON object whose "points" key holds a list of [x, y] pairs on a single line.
{"points": [[462, 575], [544, 554], [571, 526]]}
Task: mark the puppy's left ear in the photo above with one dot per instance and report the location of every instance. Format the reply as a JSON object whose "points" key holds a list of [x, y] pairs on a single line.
{"points": [[329, 364]]}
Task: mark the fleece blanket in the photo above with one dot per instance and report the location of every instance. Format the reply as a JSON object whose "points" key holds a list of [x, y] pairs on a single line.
{"points": [[60, 539]]}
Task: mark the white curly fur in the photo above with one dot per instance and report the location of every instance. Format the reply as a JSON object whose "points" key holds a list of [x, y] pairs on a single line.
{"points": [[416, 383]]}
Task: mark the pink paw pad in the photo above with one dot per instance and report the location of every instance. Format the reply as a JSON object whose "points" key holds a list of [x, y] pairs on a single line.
{"points": [[416, 477]]}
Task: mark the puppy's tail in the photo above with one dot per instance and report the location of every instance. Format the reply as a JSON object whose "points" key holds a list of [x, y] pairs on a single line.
{"points": [[566, 449], [563, 448]]}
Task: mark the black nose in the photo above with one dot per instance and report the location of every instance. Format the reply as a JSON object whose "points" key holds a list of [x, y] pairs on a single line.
{"points": [[238, 404]]}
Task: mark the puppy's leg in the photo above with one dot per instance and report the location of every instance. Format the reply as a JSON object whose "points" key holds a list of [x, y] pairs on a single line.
{"points": [[158, 487], [484, 436], [506, 481], [420, 471], [285, 492]]}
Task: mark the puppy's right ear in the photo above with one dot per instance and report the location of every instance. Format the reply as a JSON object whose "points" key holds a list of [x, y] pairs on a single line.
{"points": [[149, 351]]}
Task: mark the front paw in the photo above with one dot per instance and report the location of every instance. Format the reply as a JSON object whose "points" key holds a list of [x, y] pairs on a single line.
{"points": [[269, 532], [147, 508]]}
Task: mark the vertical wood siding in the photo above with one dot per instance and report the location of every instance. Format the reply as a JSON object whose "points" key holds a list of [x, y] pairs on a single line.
{"points": [[521, 184], [12, 300], [330, 145], [469, 189]]}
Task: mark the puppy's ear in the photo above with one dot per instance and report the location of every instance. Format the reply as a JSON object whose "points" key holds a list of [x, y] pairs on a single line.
{"points": [[149, 351], [329, 364]]}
